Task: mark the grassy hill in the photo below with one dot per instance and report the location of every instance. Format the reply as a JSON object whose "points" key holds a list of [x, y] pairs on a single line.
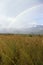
{"points": [[21, 50]]}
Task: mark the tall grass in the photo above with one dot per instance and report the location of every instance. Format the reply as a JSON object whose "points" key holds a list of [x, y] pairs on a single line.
{"points": [[21, 50]]}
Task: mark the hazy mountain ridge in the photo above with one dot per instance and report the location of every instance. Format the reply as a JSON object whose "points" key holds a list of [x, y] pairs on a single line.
{"points": [[38, 29]]}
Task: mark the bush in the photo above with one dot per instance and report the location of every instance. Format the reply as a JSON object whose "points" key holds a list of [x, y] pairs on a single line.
{"points": [[30, 35]]}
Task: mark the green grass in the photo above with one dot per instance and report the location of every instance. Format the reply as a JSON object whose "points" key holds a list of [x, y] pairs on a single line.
{"points": [[21, 50]]}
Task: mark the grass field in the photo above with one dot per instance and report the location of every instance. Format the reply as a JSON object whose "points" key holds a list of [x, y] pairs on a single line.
{"points": [[21, 50]]}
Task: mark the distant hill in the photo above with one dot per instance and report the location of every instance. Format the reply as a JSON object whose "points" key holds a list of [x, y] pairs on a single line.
{"points": [[38, 29]]}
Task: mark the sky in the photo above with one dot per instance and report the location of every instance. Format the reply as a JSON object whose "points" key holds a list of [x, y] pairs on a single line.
{"points": [[20, 13]]}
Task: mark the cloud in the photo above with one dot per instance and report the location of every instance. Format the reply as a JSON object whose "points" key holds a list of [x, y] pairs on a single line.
{"points": [[41, 1], [29, 17], [9, 9], [5, 21], [12, 8]]}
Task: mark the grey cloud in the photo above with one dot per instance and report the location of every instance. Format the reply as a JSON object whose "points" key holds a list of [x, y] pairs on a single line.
{"points": [[41, 1], [13, 7], [9, 9]]}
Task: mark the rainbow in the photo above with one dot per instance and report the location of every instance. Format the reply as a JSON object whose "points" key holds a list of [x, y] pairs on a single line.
{"points": [[25, 11]]}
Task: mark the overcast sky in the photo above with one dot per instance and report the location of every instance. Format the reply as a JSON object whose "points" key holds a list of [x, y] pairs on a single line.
{"points": [[20, 13]]}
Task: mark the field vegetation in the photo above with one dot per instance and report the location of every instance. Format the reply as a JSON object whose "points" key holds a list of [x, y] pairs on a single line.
{"points": [[21, 49]]}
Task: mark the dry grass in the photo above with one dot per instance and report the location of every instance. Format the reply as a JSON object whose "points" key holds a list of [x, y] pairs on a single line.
{"points": [[21, 50]]}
